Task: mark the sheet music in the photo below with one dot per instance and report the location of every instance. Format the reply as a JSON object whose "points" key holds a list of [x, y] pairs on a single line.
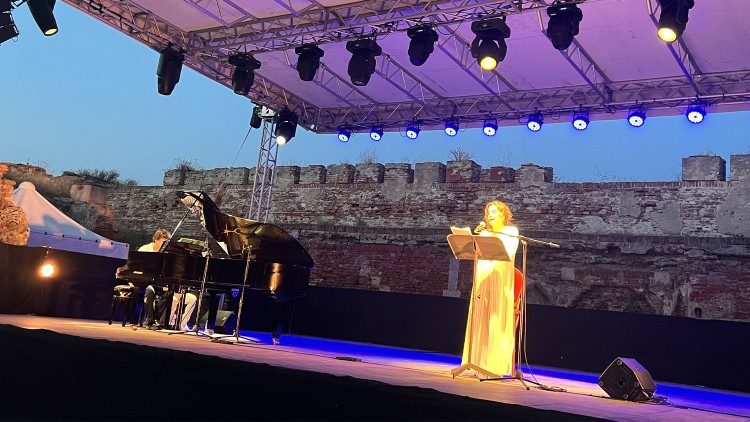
{"points": [[460, 230]]}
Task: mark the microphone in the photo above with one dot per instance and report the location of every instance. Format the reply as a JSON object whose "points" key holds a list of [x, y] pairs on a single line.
{"points": [[478, 229]]}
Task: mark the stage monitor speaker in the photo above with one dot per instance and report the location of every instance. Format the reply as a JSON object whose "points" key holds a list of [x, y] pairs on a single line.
{"points": [[626, 379], [225, 322]]}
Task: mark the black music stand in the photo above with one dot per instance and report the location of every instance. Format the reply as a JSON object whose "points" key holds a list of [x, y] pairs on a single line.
{"points": [[236, 338], [471, 247], [194, 331]]}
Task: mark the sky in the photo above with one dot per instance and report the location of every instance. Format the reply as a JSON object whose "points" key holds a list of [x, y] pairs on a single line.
{"points": [[86, 99]]}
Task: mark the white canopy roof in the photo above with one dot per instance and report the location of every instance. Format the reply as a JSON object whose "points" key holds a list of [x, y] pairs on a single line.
{"points": [[48, 226]]}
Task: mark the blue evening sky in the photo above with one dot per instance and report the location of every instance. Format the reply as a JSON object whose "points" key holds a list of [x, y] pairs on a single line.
{"points": [[86, 99]]}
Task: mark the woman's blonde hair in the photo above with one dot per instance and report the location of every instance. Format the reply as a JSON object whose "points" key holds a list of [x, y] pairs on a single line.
{"points": [[507, 215], [161, 234]]}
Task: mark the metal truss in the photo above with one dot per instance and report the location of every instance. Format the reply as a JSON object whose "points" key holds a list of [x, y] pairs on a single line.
{"points": [[320, 25], [265, 171]]}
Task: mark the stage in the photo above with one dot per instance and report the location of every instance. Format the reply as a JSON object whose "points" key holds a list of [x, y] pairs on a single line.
{"points": [[574, 393]]}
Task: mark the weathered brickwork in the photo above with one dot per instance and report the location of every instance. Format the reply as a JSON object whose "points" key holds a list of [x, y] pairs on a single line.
{"points": [[14, 228], [672, 248]]}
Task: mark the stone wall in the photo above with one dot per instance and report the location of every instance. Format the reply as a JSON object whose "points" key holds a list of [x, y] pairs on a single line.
{"points": [[14, 228], [672, 248]]}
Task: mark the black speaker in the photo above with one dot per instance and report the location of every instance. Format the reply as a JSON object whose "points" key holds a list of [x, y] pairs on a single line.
{"points": [[225, 322], [626, 379]]}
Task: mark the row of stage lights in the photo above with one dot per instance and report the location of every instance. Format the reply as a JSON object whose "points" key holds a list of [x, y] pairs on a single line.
{"points": [[695, 113]]}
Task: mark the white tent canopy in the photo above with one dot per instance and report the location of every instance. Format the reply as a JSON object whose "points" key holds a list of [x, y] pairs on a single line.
{"points": [[48, 226]]}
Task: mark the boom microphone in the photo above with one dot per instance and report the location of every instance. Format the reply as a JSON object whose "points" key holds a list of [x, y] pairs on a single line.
{"points": [[478, 229]]}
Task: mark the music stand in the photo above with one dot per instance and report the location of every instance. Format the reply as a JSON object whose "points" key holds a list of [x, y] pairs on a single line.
{"points": [[466, 247], [194, 331]]}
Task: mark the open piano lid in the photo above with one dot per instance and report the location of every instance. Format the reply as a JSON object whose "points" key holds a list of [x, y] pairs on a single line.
{"points": [[266, 241]]}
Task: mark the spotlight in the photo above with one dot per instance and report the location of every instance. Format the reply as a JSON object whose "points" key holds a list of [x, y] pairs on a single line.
{"points": [[286, 126], [376, 133], [673, 19], [581, 119], [564, 20], [244, 72], [344, 134], [8, 28], [451, 127], [255, 119], [412, 130], [309, 61], [422, 43], [489, 46], [637, 116], [47, 269], [490, 127], [362, 63], [168, 71], [696, 111], [41, 11], [535, 122]]}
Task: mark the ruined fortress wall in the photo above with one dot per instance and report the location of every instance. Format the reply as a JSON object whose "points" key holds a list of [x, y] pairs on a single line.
{"points": [[671, 248]]}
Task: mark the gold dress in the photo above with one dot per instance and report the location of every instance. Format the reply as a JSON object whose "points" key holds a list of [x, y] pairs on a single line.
{"points": [[490, 334]]}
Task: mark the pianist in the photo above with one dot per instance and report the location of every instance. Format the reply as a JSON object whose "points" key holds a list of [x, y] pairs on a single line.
{"points": [[161, 236]]}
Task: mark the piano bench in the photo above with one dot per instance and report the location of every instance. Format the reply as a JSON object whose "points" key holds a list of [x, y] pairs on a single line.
{"points": [[125, 295]]}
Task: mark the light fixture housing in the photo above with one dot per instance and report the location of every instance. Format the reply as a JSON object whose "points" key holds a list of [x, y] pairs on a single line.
{"points": [[535, 121], [376, 133], [244, 72], [696, 111], [169, 69], [489, 46], [8, 29], [255, 119], [422, 43], [637, 116], [362, 64], [308, 61], [451, 127], [41, 11], [673, 18], [489, 127], [412, 130], [344, 134], [563, 26], [581, 119], [286, 126]]}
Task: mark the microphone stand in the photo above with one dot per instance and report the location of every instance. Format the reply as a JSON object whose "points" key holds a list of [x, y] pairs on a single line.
{"points": [[194, 331], [236, 338], [516, 373]]}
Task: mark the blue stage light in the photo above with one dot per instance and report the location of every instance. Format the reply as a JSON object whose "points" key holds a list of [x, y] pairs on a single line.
{"points": [[412, 130], [490, 127], [696, 111], [376, 133], [581, 120], [637, 116], [451, 127], [535, 122], [344, 134]]}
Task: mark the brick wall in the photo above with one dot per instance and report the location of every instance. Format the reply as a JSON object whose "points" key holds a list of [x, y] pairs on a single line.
{"points": [[672, 248]]}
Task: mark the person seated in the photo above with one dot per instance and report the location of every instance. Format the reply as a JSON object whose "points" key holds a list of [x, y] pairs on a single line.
{"points": [[160, 236]]}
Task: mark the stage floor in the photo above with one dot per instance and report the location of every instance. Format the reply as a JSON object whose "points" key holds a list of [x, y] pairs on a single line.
{"points": [[571, 391]]}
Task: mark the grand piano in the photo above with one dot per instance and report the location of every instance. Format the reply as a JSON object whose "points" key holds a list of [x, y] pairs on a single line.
{"points": [[276, 263]]}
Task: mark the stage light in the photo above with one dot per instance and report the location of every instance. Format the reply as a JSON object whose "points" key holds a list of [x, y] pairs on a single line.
{"points": [[422, 43], [344, 134], [490, 127], [47, 269], [362, 63], [535, 122], [244, 72], [489, 46], [581, 119], [696, 111], [412, 130], [41, 11], [168, 71], [309, 61], [451, 127], [564, 20], [673, 18], [637, 116], [376, 133], [286, 126], [255, 119], [8, 28]]}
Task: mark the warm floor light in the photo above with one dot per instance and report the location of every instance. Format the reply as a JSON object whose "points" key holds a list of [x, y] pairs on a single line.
{"points": [[47, 270]]}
